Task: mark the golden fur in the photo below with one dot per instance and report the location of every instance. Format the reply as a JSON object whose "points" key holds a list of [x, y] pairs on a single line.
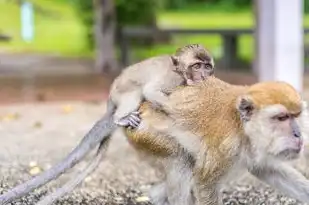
{"points": [[210, 107]]}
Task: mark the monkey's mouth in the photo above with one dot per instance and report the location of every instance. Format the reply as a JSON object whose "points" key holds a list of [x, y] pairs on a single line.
{"points": [[289, 154]]}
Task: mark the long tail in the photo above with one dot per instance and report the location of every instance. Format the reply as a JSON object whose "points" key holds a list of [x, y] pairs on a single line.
{"points": [[73, 183], [102, 129]]}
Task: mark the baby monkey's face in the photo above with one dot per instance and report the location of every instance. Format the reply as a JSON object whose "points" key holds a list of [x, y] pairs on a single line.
{"points": [[196, 67]]}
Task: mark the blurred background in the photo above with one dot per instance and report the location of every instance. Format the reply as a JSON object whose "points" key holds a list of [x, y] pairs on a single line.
{"points": [[59, 57], [72, 49]]}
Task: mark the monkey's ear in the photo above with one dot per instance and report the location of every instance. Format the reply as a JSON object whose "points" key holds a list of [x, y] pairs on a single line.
{"points": [[175, 60], [245, 107]]}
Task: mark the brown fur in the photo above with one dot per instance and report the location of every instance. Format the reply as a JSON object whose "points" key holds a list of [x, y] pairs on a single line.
{"points": [[209, 110], [191, 107]]}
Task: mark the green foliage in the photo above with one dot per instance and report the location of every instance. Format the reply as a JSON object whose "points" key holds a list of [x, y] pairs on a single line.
{"points": [[175, 4], [62, 35], [183, 4], [136, 12], [306, 6], [84, 10], [133, 12]]}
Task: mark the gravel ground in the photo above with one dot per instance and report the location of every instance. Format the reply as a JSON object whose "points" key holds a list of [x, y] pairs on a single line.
{"points": [[33, 137]]}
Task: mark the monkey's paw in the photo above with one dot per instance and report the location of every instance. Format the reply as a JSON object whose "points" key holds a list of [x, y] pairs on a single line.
{"points": [[131, 120]]}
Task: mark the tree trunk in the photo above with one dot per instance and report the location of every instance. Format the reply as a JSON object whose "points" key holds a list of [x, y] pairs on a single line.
{"points": [[105, 25]]}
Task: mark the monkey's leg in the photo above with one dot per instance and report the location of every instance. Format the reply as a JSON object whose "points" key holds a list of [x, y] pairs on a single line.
{"points": [[206, 194], [129, 103], [206, 173], [132, 120], [158, 194], [179, 179], [70, 185], [156, 96]]}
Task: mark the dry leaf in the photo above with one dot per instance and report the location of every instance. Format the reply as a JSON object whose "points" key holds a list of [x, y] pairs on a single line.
{"points": [[37, 124], [67, 109], [142, 199], [11, 117], [35, 171]]}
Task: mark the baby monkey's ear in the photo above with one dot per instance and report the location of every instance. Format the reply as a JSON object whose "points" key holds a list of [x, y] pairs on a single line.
{"points": [[175, 60]]}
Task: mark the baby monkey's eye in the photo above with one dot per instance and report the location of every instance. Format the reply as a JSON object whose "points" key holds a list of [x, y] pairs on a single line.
{"points": [[196, 66], [208, 66]]}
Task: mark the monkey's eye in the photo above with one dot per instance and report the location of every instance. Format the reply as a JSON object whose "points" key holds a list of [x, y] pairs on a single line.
{"points": [[196, 66], [296, 115], [282, 117], [208, 66]]}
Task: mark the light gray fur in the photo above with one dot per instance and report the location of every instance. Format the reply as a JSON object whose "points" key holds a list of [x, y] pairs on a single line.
{"points": [[284, 178], [75, 181]]}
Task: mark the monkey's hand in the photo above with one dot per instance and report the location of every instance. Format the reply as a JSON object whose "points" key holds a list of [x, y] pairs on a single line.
{"points": [[131, 120]]}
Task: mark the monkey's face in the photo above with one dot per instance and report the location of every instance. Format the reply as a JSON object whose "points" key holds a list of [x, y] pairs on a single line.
{"points": [[193, 68], [278, 132], [274, 131]]}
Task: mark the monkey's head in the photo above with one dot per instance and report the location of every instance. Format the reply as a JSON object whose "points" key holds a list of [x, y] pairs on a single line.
{"points": [[271, 115], [194, 62]]}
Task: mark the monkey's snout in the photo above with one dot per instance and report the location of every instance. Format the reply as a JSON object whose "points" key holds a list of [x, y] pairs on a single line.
{"points": [[296, 134]]}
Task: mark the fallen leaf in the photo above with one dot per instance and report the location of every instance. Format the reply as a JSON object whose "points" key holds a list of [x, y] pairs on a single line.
{"points": [[67, 109], [37, 124], [35, 170], [11, 117], [142, 199]]}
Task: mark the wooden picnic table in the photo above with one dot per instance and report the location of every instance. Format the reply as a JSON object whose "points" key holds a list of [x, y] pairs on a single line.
{"points": [[230, 38]]}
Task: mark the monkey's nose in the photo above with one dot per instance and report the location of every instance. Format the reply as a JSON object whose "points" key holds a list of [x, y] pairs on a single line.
{"points": [[296, 134]]}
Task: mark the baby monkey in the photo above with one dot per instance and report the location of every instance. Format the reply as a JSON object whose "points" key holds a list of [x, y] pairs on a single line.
{"points": [[155, 78]]}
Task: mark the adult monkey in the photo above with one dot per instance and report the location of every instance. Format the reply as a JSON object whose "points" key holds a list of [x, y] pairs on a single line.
{"points": [[151, 79], [256, 127]]}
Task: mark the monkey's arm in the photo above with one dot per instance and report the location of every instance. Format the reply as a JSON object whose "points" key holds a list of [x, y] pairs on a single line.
{"points": [[286, 179], [156, 96]]}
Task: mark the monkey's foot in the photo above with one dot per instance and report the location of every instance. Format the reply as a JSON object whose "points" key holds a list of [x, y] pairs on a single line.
{"points": [[131, 120]]}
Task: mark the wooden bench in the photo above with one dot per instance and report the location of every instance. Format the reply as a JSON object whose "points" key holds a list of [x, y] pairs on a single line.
{"points": [[230, 37]]}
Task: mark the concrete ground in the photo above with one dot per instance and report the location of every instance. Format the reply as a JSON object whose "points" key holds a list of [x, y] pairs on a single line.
{"points": [[35, 136]]}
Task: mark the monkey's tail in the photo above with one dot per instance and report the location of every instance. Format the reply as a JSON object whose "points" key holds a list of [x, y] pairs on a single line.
{"points": [[70, 185], [102, 129]]}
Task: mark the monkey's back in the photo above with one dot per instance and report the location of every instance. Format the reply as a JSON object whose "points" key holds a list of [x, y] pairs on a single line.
{"points": [[137, 75], [208, 107]]}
